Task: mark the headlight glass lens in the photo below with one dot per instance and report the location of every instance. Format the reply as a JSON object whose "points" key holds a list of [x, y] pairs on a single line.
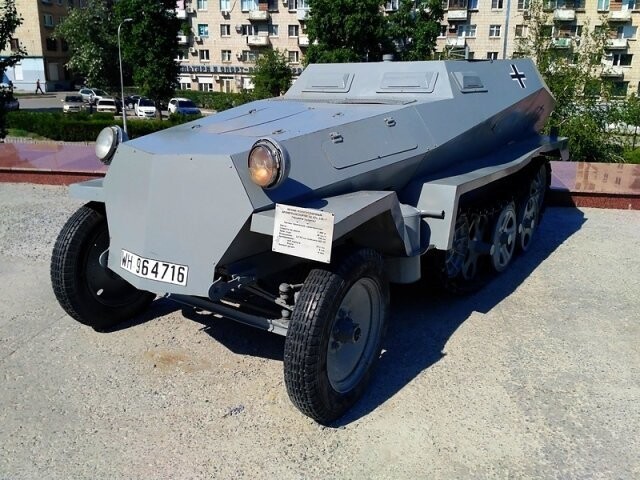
{"points": [[266, 164], [107, 142]]}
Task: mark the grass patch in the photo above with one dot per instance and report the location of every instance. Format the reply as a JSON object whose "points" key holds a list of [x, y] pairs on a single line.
{"points": [[18, 132]]}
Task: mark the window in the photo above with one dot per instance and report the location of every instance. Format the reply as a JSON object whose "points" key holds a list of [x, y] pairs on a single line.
{"points": [[203, 30], [48, 20], [522, 30], [249, 30], [15, 44], [226, 55], [52, 45], [492, 55], [473, 4], [523, 4], [205, 87], [443, 31], [298, 4], [185, 85], [272, 5], [249, 56], [294, 30], [294, 56], [626, 31], [59, 2], [567, 31], [273, 30], [457, 4], [467, 31], [391, 6], [603, 5], [494, 31], [225, 5], [204, 55], [225, 30], [496, 4], [619, 89], [622, 59], [248, 5], [64, 45], [182, 55], [202, 4]]}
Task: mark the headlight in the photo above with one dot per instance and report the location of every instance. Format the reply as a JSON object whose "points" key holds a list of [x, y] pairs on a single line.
{"points": [[267, 164], [107, 142]]}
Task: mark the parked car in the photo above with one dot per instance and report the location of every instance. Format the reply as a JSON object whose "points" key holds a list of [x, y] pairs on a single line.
{"points": [[145, 108], [12, 103], [107, 105], [72, 103], [92, 95], [183, 106], [130, 101]]}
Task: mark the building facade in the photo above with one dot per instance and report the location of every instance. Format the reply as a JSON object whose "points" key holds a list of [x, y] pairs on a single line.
{"points": [[46, 57], [222, 39], [490, 29]]}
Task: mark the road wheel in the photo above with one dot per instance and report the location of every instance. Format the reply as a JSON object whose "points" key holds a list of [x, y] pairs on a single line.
{"points": [[89, 292], [335, 335], [528, 218], [503, 238]]}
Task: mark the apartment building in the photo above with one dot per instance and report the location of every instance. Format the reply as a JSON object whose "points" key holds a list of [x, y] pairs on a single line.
{"points": [[222, 39], [489, 29], [46, 57]]}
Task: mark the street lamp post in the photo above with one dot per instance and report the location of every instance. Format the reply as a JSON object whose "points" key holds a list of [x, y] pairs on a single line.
{"points": [[124, 112]]}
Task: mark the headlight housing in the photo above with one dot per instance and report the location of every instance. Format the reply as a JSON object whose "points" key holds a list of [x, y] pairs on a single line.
{"points": [[267, 164], [107, 142]]}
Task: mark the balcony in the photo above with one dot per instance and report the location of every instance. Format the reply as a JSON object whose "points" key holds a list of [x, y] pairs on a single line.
{"points": [[181, 13], [183, 39], [258, 40], [303, 41], [302, 14], [617, 43], [612, 71], [258, 15], [457, 15], [562, 42], [457, 42], [564, 14], [620, 16]]}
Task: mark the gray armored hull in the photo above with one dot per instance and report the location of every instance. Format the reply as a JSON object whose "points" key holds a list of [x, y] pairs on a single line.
{"points": [[392, 161]]}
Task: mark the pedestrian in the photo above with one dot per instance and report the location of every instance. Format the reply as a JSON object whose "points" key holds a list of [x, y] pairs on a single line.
{"points": [[38, 87]]}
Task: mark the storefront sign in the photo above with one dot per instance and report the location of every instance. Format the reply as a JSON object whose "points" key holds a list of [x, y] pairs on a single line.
{"points": [[224, 69]]}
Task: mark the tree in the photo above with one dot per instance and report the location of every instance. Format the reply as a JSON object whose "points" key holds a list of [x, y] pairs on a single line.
{"points": [[346, 31], [151, 45], [570, 60], [90, 33], [414, 27], [272, 76], [9, 21]]}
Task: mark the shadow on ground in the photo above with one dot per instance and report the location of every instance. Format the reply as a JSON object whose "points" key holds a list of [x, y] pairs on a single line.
{"points": [[421, 321]]}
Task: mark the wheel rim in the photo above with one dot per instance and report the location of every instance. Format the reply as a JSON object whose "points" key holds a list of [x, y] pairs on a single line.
{"points": [[354, 335], [104, 285], [477, 230], [528, 222], [539, 185], [455, 257], [504, 238]]}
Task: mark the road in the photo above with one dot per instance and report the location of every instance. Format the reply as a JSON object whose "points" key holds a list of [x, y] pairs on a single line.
{"points": [[536, 376]]}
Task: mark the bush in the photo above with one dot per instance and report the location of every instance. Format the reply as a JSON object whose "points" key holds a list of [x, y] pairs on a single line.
{"points": [[83, 127], [217, 101], [632, 156]]}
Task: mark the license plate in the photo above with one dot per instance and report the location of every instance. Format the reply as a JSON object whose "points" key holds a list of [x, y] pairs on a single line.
{"points": [[154, 269]]}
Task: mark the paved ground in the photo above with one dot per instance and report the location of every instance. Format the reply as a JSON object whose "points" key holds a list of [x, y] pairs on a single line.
{"points": [[537, 376]]}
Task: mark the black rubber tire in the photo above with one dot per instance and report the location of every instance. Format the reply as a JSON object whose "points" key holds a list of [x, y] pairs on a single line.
{"points": [[74, 263], [307, 341]]}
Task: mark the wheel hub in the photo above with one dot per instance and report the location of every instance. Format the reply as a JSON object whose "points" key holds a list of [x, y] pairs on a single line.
{"points": [[345, 330]]}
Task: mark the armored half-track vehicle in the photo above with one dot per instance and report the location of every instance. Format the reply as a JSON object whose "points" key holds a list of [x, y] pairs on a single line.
{"points": [[294, 214]]}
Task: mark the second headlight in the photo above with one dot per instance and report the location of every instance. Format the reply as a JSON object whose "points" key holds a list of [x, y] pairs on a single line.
{"points": [[267, 164]]}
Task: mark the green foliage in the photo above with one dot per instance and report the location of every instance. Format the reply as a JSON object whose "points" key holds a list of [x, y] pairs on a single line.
{"points": [[217, 101], [632, 156], [272, 75], [346, 31], [150, 45], [414, 28], [83, 127], [9, 21], [90, 33]]}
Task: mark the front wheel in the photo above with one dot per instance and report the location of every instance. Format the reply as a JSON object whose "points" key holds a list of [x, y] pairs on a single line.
{"points": [[335, 336], [87, 290]]}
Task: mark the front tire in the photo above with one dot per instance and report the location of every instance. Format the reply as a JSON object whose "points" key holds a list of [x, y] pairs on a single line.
{"points": [[335, 335], [87, 291]]}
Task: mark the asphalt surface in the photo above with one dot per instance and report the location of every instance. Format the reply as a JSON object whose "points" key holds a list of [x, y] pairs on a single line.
{"points": [[535, 376]]}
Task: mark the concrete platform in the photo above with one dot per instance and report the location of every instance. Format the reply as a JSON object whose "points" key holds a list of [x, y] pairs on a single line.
{"points": [[601, 185]]}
